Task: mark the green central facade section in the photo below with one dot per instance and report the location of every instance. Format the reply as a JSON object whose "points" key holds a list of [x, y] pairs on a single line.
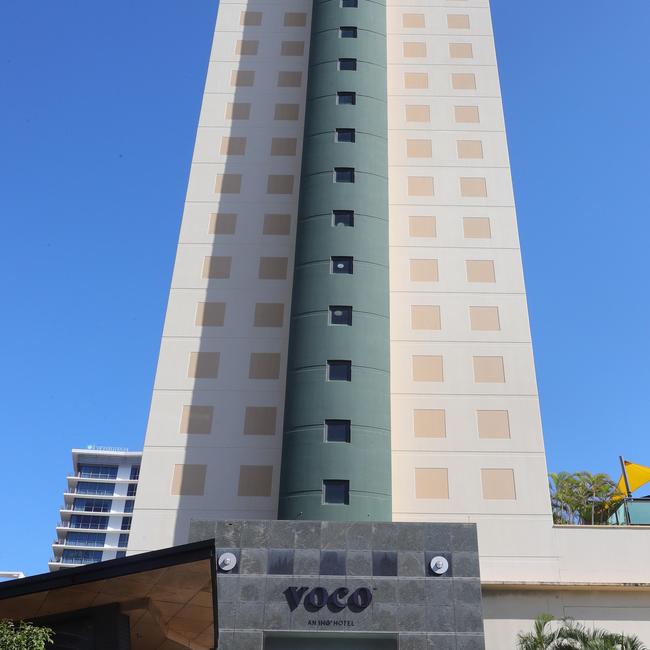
{"points": [[336, 447]]}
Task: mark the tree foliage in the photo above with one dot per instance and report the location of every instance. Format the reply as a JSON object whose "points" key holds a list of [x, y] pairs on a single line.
{"points": [[548, 634], [582, 498], [24, 636]]}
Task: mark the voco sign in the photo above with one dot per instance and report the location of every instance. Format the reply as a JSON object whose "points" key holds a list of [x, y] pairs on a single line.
{"points": [[315, 599]]}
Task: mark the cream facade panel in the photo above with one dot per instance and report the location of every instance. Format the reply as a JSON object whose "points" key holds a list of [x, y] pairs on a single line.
{"points": [[459, 110], [237, 129]]}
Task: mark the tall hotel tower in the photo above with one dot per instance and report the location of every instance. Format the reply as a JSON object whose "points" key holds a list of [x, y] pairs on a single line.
{"points": [[347, 334]]}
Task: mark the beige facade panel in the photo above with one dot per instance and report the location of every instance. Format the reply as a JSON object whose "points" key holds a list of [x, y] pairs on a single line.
{"points": [[197, 419], [463, 81], [422, 226], [247, 48], [188, 480], [480, 271], [493, 424], [458, 21], [250, 18], [416, 80], [424, 270], [273, 268], [469, 149], [210, 314], [292, 48], [295, 19], [222, 223], [498, 484], [203, 365], [242, 78], [425, 317], [428, 368], [431, 483], [467, 114], [279, 184], [264, 365], [420, 186], [414, 50], [489, 370], [269, 314], [477, 228], [287, 112], [418, 148], [216, 267], [461, 51], [289, 79], [228, 184], [238, 111], [260, 421], [255, 480], [276, 224], [284, 146], [418, 113], [484, 319], [232, 146], [429, 423], [473, 187], [413, 21]]}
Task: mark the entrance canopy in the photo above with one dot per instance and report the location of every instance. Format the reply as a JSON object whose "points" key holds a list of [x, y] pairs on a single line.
{"points": [[166, 598]]}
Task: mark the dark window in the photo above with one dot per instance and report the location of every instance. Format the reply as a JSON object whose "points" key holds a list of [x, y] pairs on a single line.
{"points": [[339, 370], [349, 3], [88, 521], [346, 135], [340, 315], [342, 265], [346, 98], [348, 32], [120, 554], [95, 488], [85, 539], [126, 523], [131, 490], [98, 471], [81, 557], [128, 506], [124, 540], [337, 430], [92, 505], [336, 492], [347, 64], [135, 472], [344, 174], [344, 218]]}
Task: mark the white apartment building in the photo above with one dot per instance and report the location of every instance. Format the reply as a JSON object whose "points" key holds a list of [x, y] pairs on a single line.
{"points": [[95, 518]]}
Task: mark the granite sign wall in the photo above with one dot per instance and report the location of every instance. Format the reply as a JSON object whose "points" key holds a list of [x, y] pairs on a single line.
{"points": [[286, 584]]}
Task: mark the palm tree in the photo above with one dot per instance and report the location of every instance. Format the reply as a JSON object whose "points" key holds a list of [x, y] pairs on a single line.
{"points": [[569, 635]]}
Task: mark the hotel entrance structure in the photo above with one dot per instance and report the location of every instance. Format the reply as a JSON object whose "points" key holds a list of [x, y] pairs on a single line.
{"points": [[347, 335]]}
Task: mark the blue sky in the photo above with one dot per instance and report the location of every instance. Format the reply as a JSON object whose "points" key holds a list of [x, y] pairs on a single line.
{"points": [[99, 104]]}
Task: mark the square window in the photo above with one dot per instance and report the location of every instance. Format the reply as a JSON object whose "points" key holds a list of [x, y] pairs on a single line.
{"points": [[337, 430], [344, 218], [347, 64], [344, 174], [346, 135], [350, 3], [346, 98], [342, 265], [337, 492], [340, 315], [348, 32], [339, 370]]}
